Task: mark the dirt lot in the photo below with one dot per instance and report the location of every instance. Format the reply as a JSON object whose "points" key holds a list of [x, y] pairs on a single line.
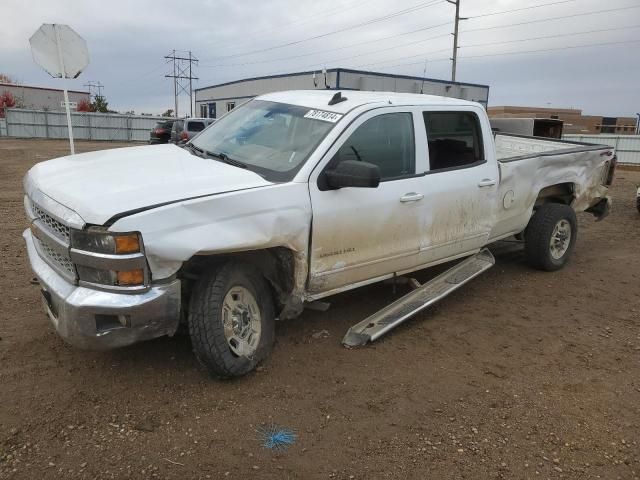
{"points": [[521, 374]]}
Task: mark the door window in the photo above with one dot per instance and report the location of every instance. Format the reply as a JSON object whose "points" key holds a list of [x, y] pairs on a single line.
{"points": [[386, 141], [454, 139]]}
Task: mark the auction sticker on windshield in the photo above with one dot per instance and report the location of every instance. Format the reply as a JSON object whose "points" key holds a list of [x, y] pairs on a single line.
{"points": [[324, 116]]}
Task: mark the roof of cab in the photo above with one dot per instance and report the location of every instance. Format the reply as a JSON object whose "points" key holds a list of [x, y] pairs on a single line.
{"points": [[319, 99]]}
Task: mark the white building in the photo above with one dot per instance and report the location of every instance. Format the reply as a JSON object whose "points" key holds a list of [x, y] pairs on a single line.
{"points": [[216, 100], [41, 98]]}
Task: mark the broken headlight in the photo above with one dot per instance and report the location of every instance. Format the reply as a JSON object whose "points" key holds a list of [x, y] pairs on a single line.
{"points": [[109, 258]]}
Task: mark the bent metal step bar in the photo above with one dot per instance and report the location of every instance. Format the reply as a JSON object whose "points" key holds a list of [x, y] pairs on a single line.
{"points": [[391, 316]]}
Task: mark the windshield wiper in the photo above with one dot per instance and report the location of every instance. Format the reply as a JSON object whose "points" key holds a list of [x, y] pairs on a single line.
{"points": [[195, 150], [225, 158]]}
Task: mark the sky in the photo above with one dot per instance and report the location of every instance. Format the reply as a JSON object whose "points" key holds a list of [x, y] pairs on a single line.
{"points": [[547, 53]]}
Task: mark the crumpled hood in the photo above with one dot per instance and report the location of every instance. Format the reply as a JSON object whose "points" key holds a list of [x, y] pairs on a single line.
{"points": [[99, 185]]}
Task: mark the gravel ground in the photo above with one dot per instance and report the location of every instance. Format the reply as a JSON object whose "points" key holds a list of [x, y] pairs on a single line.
{"points": [[520, 374]]}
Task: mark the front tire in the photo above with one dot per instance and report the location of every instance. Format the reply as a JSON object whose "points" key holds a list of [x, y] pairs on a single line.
{"points": [[231, 320], [550, 236]]}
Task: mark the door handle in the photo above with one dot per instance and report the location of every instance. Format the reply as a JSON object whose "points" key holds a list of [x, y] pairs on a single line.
{"points": [[487, 182], [411, 197]]}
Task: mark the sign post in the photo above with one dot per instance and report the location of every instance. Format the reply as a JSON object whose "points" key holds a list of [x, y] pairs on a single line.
{"points": [[62, 53], [64, 86]]}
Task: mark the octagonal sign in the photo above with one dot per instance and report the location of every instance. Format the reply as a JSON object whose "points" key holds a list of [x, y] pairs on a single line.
{"points": [[59, 50]]}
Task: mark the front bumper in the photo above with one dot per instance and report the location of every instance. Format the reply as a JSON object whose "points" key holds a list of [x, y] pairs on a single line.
{"points": [[98, 320]]}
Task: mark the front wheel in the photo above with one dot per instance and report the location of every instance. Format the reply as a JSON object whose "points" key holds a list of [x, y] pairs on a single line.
{"points": [[231, 320], [550, 236]]}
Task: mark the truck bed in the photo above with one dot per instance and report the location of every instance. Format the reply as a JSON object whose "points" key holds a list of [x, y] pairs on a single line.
{"points": [[530, 164], [511, 147]]}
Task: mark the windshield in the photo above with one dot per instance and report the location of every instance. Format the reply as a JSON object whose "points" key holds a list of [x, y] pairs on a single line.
{"points": [[273, 139]]}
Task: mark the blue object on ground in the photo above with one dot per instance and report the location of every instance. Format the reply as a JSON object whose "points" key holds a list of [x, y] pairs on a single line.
{"points": [[275, 437]]}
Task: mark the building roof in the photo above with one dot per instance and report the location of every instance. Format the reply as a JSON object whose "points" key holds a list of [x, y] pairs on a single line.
{"points": [[319, 99], [13, 85], [343, 70]]}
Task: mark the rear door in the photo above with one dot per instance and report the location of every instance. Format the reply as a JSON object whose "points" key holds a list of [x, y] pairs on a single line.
{"points": [[362, 233], [460, 185]]}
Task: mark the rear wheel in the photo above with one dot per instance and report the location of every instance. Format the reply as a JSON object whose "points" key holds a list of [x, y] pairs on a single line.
{"points": [[550, 236], [231, 320]]}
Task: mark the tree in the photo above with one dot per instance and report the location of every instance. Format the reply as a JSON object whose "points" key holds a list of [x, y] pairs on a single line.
{"points": [[100, 104], [168, 113], [7, 79], [84, 105], [6, 101]]}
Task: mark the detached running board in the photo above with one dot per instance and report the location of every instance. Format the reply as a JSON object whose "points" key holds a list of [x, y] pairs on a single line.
{"points": [[423, 296]]}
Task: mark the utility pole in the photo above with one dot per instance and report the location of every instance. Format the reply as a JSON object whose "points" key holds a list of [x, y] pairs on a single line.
{"points": [[190, 88], [454, 58], [175, 86], [182, 71]]}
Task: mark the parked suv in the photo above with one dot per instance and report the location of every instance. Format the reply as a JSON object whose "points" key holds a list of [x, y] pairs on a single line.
{"points": [[161, 133], [185, 129]]}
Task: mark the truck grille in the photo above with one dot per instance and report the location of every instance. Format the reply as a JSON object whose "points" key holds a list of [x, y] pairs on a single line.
{"points": [[58, 228], [55, 253], [58, 260]]}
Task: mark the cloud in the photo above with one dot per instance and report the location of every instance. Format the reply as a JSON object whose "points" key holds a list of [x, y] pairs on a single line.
{"points": [[128, 40]]}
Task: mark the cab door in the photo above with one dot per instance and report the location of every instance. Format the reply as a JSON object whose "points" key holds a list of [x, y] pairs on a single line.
{"points": [[460, 185], [362, 233]]}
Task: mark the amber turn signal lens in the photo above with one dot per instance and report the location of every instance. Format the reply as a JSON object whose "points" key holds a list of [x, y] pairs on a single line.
{"points": [[131, 277], [127, 243]]}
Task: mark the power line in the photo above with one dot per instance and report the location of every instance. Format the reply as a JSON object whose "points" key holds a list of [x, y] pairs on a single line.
{"points": [[418, 30], [505, 42], [552, 36], [573, 15], [431, 38], [520, 9], [398, 13], [335, 60], [338, 48], [522, 52], [153, 70], [323, 14], [553, 49], [258, 62], [410, 56], [458, 18]]}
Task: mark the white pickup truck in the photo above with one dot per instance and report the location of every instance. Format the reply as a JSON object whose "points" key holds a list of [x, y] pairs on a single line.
{"points": [[287, 199]]}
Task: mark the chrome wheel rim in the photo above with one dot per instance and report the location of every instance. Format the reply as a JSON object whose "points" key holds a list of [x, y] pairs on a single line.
{"points": [[560, 239], [241, 321]]}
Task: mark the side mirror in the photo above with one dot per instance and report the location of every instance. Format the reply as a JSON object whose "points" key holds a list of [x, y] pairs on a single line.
{"points": [[354, 173]]}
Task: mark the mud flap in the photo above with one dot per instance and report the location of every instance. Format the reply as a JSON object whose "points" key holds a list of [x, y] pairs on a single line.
{"points": [[601, 209]]}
